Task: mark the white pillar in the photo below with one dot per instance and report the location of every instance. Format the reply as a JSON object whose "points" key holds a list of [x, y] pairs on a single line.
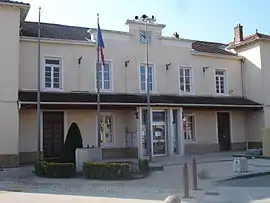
{"points": [[181, 140], [170, 132], [139, 133]]}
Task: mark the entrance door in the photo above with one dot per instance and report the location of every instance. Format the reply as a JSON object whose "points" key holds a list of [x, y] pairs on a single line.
{"points": [[159, 133], [53, 134], [223, 122]]}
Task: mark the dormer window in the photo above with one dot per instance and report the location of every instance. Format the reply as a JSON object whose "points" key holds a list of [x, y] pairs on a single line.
{"points": [[145, 36]]}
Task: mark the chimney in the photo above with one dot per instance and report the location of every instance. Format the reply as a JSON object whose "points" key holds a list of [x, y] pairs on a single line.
{"points": [[238, 33], [176, 35]]}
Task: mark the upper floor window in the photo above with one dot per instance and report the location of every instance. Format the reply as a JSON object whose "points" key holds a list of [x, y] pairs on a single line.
{"points": [[52, 73], [220, 77], [105, 76], [188, 126], [185, 79], [145, 36], [144, 72]]}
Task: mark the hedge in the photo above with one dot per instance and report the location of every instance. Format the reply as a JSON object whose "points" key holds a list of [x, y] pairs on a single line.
{"points": [[54, 170], [108, 171]]}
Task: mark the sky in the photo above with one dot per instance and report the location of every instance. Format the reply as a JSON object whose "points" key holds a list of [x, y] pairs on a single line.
{"points": [[208, 20]]}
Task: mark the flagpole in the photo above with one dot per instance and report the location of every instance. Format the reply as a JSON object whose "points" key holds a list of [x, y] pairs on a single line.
{"points": [[38, 90], [98, 87]]}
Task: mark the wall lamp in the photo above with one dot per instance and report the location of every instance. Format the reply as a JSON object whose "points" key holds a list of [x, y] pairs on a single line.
{"points": [[167, 65], [126, 63], [205, 68], [80, 60]]}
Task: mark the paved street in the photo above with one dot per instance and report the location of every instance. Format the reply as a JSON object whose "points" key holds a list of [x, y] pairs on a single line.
{"points": [[156, 187]]}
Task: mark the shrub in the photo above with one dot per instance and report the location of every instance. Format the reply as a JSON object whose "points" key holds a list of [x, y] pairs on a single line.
{"points": [[54, 170], [73, 141], [39, 168], [109, 171], [143, 165]]}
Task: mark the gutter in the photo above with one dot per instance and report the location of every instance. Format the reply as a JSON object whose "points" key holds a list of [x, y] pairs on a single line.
{"points": [[142, 104], [197, 53], [59, 41]]}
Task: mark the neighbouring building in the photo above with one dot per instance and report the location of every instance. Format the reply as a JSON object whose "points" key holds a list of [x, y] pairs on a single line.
{"points": [[205, 96]]}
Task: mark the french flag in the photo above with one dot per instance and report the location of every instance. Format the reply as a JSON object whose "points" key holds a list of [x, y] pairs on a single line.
{"points": [[100, 45]]}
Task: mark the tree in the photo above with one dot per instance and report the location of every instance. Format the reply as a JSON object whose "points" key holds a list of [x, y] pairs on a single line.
{"points": [[73, 141]]}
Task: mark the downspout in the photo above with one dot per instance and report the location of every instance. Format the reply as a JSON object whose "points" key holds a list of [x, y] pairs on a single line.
{"points": [[244, 96]]}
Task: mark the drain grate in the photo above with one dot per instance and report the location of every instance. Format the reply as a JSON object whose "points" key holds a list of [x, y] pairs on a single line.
{"points": [[212, 193]]}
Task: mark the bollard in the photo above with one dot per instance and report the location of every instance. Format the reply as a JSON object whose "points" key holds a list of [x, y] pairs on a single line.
{"points": [[195, 176], [185, 181]]}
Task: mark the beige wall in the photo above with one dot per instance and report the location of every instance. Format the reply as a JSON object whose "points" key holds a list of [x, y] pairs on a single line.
{"points": [[27, 131], [252, 71], [86, 121], [255, 125], [126, 79], [9, 136], [9, 60], [9, 52], [206, 126]]}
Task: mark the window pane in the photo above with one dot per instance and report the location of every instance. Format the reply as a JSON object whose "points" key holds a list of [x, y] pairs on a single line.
{"points": [[47, 74], [106, 76], [56, 85], [56, 80], [151, 86], [47, 84], [143, 86], [52, 61], [158, 116], [187, 80], [187, 88], [106, 85], [182, 87], [219, 72], [181, 80], [48, 69], [55, 74], [142, 70], [186, 72], [150, 78], [150, 70], [107, 67], [181, 72], [47, 79]]}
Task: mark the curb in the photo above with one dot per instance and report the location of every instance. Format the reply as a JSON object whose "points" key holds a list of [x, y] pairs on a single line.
{"points": [[251, 175]]}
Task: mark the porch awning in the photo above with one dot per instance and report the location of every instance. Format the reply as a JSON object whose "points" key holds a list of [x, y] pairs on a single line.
{"points": [[86, 98]]}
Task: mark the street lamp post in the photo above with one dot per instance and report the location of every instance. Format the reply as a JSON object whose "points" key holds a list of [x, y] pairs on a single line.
{"points": [[147, 20]]}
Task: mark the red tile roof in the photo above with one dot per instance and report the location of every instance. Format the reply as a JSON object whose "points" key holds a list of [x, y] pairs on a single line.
{"points": [[249, 39], [211, 47]]}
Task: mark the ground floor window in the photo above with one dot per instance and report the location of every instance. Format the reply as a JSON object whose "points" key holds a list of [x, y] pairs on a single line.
{"points": [[188, 127], [106, 128]]}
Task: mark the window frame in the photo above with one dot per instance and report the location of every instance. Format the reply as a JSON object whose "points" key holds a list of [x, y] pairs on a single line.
{"points": [[61, 74], [225, 71], [153, 78], [149, 35], [189, 114], [111, 144], [191, 79], [110, 73]]}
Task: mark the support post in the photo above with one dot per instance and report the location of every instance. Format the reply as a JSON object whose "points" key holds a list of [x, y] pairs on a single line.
{"points": [[195, 176]]}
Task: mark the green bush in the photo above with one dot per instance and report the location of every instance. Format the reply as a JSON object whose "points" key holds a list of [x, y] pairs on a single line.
{"points": [[108, 171], [73, 141], [39, 168], [143, 165], [54, 170]]}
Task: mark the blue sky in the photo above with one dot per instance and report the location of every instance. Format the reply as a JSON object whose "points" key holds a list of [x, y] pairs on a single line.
{"points": [[209, 20]]}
